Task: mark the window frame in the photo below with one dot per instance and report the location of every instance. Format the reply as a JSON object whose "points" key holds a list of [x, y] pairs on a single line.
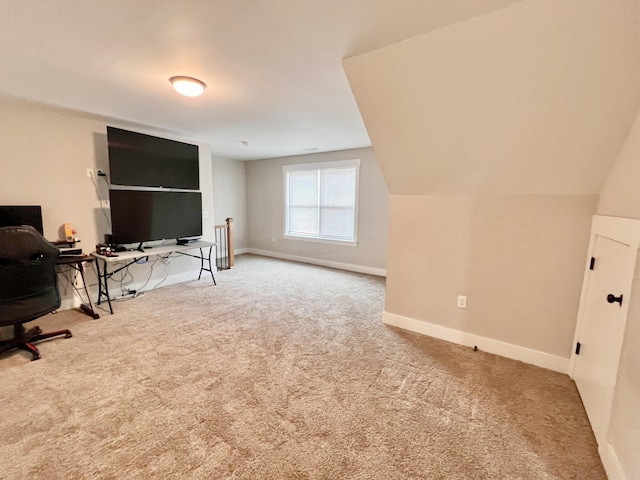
{"points": [[353, 163]]}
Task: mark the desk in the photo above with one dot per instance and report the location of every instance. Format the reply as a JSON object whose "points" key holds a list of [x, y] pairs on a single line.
{"points": [[130, 257], [78, 262]]}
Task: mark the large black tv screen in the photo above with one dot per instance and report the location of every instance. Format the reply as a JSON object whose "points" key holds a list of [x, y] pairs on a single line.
{"points": [[13, 215], [141, 216], [136, 159]]}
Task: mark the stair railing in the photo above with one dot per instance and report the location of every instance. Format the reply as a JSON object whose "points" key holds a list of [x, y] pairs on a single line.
{"points": [[224, 245]]}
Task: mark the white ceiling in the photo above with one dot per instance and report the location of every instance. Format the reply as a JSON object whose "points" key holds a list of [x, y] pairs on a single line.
{"points": [[273, 67]]}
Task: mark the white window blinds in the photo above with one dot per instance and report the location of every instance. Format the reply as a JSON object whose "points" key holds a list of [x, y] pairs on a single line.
{"points": [[321, 200]]}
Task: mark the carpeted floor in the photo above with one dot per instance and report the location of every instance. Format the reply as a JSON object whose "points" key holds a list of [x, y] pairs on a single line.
{"points": [[282, 371]]}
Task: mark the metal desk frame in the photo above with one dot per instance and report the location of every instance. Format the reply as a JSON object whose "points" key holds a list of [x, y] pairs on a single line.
{"points": [[132, 256], [77, 262]]}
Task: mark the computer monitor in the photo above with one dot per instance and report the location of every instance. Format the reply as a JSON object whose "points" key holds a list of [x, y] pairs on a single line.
{"points": [[12, 215]]}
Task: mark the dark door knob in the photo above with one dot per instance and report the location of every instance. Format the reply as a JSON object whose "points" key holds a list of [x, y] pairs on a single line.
{"points": [[611, 298]]}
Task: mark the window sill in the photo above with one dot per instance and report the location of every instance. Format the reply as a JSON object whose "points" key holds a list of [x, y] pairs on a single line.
{"points": [[343, 243]]}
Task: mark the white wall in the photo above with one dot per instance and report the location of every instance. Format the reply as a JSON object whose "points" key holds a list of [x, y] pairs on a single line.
{"points": [[44, 154], [495, 136], [230, 197], [518, 259], [534, 98], [265, 200], [620, 195]]}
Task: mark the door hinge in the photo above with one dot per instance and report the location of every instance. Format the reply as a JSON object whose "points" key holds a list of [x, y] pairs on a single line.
{"points": [[578, 348], [592, 263]]}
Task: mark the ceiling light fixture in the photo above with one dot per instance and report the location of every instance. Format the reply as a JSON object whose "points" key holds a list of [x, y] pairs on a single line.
{"points": [[188, 86]]}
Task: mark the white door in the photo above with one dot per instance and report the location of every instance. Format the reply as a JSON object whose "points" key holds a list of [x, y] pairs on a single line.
{"points": [[601, 329]]}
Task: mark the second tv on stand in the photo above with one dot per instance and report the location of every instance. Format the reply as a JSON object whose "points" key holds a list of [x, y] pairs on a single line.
{"points": [[139, 216]]}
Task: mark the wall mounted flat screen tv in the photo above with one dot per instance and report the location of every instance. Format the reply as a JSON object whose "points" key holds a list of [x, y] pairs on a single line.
{"points": [[136, 159], [139, 216], [21, 215]]}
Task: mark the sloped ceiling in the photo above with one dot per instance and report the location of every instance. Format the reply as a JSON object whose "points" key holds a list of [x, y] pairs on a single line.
{"points": [[273, 67], [537, 97]]}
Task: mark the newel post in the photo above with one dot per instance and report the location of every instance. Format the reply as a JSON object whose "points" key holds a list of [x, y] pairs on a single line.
{"points": [[230, 241]]}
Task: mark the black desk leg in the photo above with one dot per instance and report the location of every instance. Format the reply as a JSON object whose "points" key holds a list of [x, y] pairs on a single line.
{"points": [[99, 282], [103, 289], [202, 267], [88, 309], [106, 287]]}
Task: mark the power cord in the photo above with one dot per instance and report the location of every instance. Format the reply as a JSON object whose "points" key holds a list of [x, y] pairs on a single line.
{"points": [[95, 186]]}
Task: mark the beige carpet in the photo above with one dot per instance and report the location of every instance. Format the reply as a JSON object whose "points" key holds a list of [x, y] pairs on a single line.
{"points": [[282, 371]]}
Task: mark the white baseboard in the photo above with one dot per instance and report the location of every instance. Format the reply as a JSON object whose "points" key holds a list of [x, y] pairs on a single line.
{"points": [[155, 282], [69, 303], [73, 301], [240, 251], [515, 352], [380, 272]]}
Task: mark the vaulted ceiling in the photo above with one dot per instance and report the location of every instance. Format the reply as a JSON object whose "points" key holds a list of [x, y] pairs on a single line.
{"points": [[537, 97], [273, 68]]}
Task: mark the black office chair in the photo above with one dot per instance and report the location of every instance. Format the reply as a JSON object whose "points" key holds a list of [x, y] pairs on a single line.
{"points": [[28, 286]]}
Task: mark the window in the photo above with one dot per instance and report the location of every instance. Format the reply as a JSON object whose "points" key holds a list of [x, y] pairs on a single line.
{"points": [[320, 201]]}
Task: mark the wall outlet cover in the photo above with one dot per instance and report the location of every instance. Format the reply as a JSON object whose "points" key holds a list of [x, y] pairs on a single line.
{"points": [[462, 301]]}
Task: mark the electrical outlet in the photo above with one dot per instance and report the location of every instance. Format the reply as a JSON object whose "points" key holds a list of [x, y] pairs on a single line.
{"points": [[100, 172], [89, 172], [105, 204], [205, 214], [462, 301]]}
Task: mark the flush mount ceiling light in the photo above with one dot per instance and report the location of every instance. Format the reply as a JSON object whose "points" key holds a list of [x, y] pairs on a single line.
{"points": [[188, 86]]}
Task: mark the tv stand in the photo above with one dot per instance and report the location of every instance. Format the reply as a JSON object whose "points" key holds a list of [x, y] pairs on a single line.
{"points": [[126, 259]]}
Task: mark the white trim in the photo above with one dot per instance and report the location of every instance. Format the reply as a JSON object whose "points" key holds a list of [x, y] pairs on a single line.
{"points": [[515, 352], [317, 166], [70, 303], [380, 272], [190, 276], [320, 165], [624, 230], [344, 243]]}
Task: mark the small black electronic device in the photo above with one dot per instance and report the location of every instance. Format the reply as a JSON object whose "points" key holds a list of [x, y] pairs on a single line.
{"points": [[65, 251], [186, 241], [105, 250]]}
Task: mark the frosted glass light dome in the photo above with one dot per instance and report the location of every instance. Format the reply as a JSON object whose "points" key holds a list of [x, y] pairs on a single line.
{"points": [[188, 86]]}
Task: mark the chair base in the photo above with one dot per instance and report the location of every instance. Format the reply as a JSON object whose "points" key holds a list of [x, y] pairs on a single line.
{"points": [[24, 339]]}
